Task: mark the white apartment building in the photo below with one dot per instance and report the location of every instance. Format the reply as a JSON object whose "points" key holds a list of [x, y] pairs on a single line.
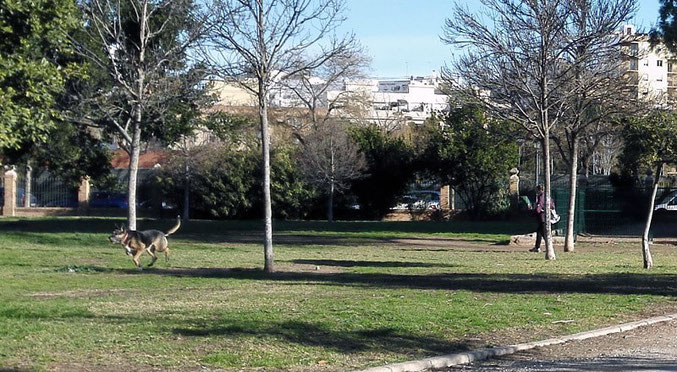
{"points": [[281, 94], [650, 69], [390, 102], [412, 99]]}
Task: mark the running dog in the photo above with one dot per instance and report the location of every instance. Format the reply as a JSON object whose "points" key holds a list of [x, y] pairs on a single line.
{"points": [[151, 241]]}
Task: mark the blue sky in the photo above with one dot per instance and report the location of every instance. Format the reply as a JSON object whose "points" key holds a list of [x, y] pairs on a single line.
{"points": [[402, 36]]}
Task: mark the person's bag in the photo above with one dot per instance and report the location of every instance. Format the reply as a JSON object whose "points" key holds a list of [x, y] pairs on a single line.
{"points": [[554, 217]]}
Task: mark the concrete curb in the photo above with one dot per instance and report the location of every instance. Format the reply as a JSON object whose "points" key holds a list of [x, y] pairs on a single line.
{"points": [[449, 360]]}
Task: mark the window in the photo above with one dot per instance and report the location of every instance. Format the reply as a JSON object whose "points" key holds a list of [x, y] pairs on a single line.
{"points": [[669, 66], [633, 64], [659, 78], [659, 63]]}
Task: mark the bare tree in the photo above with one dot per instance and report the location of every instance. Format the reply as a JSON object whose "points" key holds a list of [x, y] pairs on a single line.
{"points": [[141, 46], [514, 67], [600, 144], [257, 42], [605, 156], [600, 90], [330, 159], [358, 107]]}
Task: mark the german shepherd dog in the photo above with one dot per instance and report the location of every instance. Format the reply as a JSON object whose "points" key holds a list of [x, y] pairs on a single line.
{"points": [[151, 241]]}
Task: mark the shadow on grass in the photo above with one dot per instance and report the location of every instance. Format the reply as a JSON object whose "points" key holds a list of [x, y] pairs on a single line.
{"points": [[639, 284], [314, 335], [202, 227], [255, 237], [350, 263], [251, 237]]}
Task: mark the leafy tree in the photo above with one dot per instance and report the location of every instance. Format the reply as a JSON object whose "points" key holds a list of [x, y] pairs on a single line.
{"points": [[650, 141], [223, 186], [389, 170], [221, 182], [292, 194], [666, 30], [34, 66], [472, 153]]}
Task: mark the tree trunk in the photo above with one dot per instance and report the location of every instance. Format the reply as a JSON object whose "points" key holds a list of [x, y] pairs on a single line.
{"points": [[573, 187], [646, 251], [330, 203], [549, 248], [134, 153], [332, 165], [545, 123], [186, 195], [267, 205], [27, 187]]}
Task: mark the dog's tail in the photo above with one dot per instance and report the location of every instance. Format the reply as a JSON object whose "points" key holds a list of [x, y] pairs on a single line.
{"points": [[176, 227]]}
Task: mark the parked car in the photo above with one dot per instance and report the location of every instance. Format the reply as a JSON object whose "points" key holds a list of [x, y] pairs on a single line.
{"points": [[21, 192], [148, 204], [423, 199], [105, 199], [668, 203], [67, 202]]}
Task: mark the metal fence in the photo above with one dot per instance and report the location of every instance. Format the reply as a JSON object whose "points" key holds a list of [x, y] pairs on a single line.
{"points": [[602, 209], [113, 192], [46, 190]]}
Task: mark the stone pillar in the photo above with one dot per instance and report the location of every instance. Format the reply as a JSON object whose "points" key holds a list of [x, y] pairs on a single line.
{"points": [[27, 187], [452, 199], [444, 198], [514, 183], [9, 208], [514, 189], [83, 195]]}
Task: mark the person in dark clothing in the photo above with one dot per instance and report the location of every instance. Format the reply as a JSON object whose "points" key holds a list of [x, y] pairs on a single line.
{"points": [[540, 211]]}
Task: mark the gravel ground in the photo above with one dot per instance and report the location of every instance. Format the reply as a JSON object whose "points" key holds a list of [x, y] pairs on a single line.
{"points": [[649, 348]]}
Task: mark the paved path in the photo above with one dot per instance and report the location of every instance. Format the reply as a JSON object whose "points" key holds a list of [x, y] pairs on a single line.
{"points": [[649, 348]]}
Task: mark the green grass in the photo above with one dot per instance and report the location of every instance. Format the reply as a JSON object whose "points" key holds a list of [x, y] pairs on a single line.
{"points": [[345, 295]]}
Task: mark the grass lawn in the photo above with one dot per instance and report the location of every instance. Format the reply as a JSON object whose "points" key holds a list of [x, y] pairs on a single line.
{"points": [[345, 296]]}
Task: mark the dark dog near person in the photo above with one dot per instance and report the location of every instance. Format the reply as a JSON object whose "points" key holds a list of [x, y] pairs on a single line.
{"points": [[151, 241]]}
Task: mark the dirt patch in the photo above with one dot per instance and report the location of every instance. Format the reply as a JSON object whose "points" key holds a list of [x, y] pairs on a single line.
{"points": [[308, 268], [81, 293], [120, 366]]}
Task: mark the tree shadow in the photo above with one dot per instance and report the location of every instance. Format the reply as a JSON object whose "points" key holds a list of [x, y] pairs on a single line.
{"points": [[352, 263], [255, 237], [207, 227], [432, 240], [315, 335], [639, 284]]}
